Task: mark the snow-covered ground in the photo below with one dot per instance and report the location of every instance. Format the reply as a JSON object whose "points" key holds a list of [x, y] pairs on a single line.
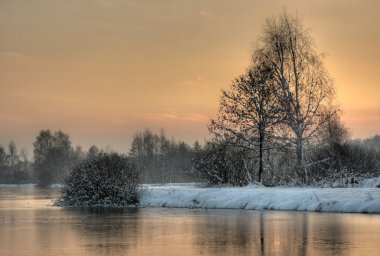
{"points": [[29, 185], [354, 200]]}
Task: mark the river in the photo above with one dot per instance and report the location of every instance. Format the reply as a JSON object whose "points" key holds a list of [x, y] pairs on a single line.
{"points": [[29, 226]]}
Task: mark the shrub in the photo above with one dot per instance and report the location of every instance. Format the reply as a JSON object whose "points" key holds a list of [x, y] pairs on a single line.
{"points": [[107, 180], [221, 164]]}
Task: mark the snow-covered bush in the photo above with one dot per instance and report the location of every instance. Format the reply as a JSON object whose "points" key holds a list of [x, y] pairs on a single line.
{"points": [[107, 180]]}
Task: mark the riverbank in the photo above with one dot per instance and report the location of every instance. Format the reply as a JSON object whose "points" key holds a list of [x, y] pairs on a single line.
{"points": [[365, 198], [345, 200]]}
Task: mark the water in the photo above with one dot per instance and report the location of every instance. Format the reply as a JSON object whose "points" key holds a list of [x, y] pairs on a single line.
{"points": [[28, 226]]}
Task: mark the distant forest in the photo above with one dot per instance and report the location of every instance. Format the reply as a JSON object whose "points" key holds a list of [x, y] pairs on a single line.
{"points": [[158, 159]]}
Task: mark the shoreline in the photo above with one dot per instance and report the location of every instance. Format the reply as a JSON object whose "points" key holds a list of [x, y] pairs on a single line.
{"points": [[343, 200]]}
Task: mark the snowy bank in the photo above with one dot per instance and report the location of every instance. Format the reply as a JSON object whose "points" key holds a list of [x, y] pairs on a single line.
{"points": [[29, 185], [353, 200]]}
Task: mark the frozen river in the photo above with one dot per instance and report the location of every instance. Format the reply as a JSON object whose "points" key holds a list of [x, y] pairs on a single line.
{"points": [[30, 227]]}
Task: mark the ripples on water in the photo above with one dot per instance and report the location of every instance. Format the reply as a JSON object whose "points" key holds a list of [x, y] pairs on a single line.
{"points": [[30, 227]]}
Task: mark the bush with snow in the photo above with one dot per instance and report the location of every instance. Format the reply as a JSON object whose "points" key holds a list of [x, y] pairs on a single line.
{"points": [[107, 180]]}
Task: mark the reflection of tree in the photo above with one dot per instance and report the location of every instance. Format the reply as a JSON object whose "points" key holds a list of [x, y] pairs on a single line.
{"points": [[106, 230], [282, 233], [304, 241], [329, 235], [262, 234], [226, 232], [179, 232], [232, 232]]}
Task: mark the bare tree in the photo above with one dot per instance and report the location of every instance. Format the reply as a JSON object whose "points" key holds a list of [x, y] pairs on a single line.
{"points": [[3, 157], [24, 156], [248, 112], [53, 155], [13, 157], [303, 86], [93, 152], [3, 162]]}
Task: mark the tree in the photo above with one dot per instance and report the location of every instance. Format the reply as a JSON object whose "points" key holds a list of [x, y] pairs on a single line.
{"points": [[93, 152], [302, 85], [25, 162], [3, 163], [3, 157], [53, 156], [77, 156], [197, 146], [13, 158], [248, 112]]}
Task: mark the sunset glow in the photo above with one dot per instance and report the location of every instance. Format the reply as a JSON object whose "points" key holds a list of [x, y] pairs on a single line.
{"points": [[101, 70]]}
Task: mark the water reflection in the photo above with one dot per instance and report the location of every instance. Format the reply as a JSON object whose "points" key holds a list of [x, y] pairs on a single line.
{"points": [[30, 227], [106, 231], [254, 233], [329, 235]]}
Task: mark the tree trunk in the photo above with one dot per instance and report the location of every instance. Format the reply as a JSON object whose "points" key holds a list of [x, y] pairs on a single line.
{"points": [[301, 166], [261, 167]]}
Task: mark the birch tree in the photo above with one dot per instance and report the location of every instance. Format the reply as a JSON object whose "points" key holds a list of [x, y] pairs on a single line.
{"points": [[303, 86]]}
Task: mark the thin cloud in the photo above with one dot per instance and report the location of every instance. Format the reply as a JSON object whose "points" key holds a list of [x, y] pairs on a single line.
{"points": [[194, 118], [206, 14], [192, 82], [12, 54]]}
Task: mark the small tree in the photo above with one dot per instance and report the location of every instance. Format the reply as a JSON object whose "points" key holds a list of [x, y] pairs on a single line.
{"points": [[13, 158], [107, 180], [93, 152], [3, 157], [3, 164]]}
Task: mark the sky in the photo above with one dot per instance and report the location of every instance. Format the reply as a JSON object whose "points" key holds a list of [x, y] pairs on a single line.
{"points": [[101, 70]]}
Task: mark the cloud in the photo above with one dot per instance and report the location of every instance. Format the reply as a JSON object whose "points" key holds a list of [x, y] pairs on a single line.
{"points": [[191, 117], [11, 54], [192, 82], [206, 14]]}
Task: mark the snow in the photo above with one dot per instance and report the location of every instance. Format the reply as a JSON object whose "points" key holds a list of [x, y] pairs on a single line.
{"points": [[353, 200], [17, 185], [370, 183], [28, 185]]}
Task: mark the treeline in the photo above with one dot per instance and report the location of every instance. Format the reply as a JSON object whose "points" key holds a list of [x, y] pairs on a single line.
{"points": [[162, 160], [14, 166], [53, 158], [158, 159]]}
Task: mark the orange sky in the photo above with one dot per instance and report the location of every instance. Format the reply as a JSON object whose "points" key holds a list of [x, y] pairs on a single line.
{"points": [[103, 69]]}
